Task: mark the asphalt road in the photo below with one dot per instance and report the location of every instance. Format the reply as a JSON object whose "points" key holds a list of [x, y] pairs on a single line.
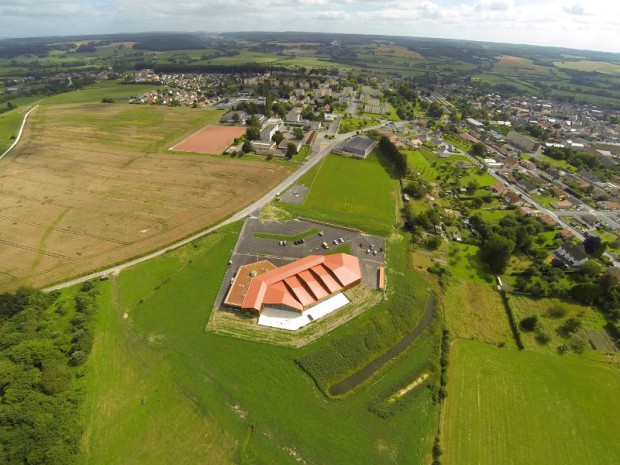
{"points": [[312, 161]]}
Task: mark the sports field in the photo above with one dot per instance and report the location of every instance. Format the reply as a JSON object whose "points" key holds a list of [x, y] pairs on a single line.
{"points": [[89, 185], [213, 138], [510, 407]]}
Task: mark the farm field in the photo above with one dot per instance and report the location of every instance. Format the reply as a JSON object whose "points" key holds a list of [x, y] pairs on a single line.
{"points": [[211, 396], [89, 186], [506, 406], [213, 139], [366, 204], [589, 66]]}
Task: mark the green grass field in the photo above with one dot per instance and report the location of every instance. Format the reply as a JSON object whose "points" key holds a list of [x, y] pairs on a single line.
{"points": [[509, 407], [466, 264], [524, 307], [221, 399], [366, 202], [475, 311], [9, 126], [588, 65], [352, 123], [112, 89]]}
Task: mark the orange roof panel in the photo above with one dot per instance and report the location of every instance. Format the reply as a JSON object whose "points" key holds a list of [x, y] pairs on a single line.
{"points": [[303, 282]]}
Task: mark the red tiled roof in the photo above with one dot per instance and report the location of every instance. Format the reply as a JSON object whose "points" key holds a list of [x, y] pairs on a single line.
{"points": [[304, 282]]}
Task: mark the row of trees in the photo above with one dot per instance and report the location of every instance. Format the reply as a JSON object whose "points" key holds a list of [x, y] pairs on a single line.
{"points": [[394, 156]]}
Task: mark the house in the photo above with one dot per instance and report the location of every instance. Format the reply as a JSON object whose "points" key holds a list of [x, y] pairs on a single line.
{"points": [[562, 205], [559, 193], [527, 164], [512, 197], [268, 131], [295, 142], [526, 186], [235, 117], [293, 116], [511, 162], [463, 165], [492, 163], [295, 287], [263, 147], [566, 234], [547, 220], [571, 254], [609, 205], [523, 142], [358, 146], [499, 188]]}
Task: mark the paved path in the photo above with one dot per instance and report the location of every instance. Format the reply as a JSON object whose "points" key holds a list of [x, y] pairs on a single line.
{"points": [[19, 134], [312, 161]]}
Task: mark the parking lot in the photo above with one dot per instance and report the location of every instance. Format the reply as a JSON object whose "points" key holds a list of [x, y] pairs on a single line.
{"points": [[250, 248], [296, 194]]}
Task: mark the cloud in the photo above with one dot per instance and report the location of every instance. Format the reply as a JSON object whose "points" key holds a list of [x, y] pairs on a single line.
{"points": [[594, 26], [576, 10]]}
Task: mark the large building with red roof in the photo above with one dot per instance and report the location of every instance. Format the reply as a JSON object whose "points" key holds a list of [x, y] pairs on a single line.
{"points": [[296, 286]]}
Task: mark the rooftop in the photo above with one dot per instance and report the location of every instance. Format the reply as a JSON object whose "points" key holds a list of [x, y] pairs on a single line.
{"points": [[302, 283]]}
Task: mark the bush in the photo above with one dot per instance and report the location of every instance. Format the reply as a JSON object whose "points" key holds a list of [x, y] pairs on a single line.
{"points": [[543, 338], [570, 326], [529, 323], [557, 311]]}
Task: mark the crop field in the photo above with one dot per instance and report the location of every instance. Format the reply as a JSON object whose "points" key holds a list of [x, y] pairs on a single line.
{"points": [[366, 204], [212, 396], [589, 66], [213, 139], [89, 186], [512, 407], [475, 311], [397, 51]]}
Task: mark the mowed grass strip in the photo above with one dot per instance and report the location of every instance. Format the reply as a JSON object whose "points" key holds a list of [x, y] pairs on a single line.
{"points": [[509, 407], [349, 192], [283, 237]]}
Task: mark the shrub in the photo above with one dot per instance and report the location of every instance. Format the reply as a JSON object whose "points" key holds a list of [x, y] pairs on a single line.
{"points": [[543, 338], [529, 323], [557, 311], [570, 326]]}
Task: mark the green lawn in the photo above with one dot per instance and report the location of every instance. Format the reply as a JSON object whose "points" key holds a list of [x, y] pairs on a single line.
{"points": [[9, 126], [466, 264], [352, 123], [510, 407], [222, 399], [475, 311], [282, 237], [365, 201]]}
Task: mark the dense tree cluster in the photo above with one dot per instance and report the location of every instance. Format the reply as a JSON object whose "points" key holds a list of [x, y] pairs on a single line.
{"points": [[44, 338]]}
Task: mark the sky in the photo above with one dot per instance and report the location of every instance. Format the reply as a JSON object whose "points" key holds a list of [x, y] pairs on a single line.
{"points": [[580, 24]]}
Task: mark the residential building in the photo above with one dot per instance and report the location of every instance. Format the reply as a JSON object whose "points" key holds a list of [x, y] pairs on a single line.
{"points": [[571, 254]]}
